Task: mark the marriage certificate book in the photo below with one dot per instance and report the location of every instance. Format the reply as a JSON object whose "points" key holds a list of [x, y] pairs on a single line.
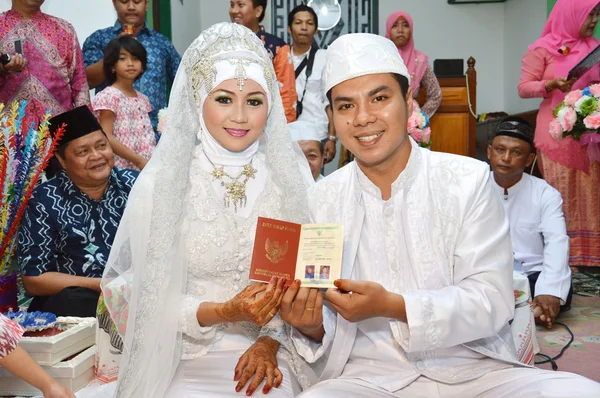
{"points": [[309, 252]]}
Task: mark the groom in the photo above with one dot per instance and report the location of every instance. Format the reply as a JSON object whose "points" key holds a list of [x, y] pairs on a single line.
{"points": [[424, 305]]}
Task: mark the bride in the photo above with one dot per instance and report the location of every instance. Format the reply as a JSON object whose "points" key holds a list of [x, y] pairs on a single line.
{"points": [[176, 283]]}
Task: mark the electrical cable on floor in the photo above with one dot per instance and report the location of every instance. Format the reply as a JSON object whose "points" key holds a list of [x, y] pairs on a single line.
{"points": [[553, 359]]}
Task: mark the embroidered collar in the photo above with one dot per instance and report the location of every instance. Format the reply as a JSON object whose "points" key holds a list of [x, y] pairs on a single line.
{"points": [[512, 191], [404, 181]]}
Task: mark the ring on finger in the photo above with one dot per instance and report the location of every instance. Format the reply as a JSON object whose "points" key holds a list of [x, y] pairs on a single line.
{"points": [[309, 309], [271, 314]]}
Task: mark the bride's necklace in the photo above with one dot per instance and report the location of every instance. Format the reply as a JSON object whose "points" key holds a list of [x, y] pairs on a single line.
{"points": [[235, 190]]}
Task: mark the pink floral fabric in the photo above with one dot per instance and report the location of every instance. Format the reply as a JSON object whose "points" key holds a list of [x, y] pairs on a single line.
{"points": [[10, 334], [54, 78], [132, 125]]}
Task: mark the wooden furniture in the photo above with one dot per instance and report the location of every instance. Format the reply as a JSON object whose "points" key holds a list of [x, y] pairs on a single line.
{"points": [[453, 125]]}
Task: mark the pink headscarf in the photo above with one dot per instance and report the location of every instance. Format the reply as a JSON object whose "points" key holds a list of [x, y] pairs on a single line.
{"points": [[415, 61], [562, 29]]}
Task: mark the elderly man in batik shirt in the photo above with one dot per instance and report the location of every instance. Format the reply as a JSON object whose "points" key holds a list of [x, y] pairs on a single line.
{"points": [[163, 59], [427, 256], [71, 220], [48, 72]]}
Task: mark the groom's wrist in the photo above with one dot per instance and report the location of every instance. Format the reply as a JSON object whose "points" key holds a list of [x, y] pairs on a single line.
{"points": [[315, 334], [394, 306]]}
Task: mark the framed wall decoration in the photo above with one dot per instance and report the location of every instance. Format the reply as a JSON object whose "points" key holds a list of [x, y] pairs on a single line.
{"points": [[358, 16]]}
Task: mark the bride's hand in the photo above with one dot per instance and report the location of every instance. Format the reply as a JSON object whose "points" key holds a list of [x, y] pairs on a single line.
{"points": [[256, 303], [259, 360]]}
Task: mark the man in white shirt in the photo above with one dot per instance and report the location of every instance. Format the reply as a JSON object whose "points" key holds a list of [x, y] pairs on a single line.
{"points": [[309, 62], [537, 224], [426, 294], [306, 135]]}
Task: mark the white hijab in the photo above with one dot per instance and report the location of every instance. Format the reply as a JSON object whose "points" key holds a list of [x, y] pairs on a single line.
{"points": [[148, 251]]}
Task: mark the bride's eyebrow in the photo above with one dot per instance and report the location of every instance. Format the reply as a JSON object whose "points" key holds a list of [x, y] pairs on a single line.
{"points": [[255, 93], [222, 90]]}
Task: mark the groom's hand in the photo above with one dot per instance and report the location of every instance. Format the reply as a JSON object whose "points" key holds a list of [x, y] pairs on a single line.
{"points": [[302, 308], [360, 300]]}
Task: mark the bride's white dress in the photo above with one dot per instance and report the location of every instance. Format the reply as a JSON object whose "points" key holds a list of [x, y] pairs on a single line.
{"points": [[179, 244]]}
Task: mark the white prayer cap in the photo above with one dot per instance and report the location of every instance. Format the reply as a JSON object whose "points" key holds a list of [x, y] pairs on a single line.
{"points": [[359, 54], [303, 131]]}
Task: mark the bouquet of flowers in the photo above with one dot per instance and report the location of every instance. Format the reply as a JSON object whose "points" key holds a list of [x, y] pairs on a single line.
{"points": [[24, 153], [578, 116], [418, 127]]}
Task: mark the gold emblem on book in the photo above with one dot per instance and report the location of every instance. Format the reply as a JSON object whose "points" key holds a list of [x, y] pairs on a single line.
{"points": [[275, 251]]}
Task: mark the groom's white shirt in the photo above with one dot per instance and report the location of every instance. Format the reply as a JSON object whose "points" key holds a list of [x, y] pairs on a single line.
{"points": [[442, 241]]}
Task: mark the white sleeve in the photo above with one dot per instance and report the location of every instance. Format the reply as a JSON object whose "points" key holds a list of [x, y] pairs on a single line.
{"points": [[481, 301], [310, 350], [555, 278], [189, 322]]}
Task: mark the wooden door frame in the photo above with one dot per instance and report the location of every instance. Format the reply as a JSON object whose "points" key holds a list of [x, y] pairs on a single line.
{"points": [[159, 17]]}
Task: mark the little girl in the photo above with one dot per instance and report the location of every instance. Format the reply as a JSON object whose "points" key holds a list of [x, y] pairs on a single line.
{"points": [[122, 110]]}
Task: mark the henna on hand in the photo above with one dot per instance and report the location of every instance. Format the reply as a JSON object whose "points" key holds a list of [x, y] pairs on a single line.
{"points": [[258, 361], [256, 303]]}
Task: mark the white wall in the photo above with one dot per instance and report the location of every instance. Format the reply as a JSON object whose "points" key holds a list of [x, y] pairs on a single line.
{"points": [[523, 24], [214, 11], [185, 23], [86, 16], [446, 31]]}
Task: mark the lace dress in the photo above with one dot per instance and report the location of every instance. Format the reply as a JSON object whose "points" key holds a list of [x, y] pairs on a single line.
{"points": [[218, 269]]}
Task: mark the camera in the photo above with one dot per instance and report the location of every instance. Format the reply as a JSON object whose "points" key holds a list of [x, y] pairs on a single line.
{"points": [[4, 59]]}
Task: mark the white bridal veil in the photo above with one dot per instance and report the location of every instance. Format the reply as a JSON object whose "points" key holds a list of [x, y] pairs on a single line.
{"points": [[147, 258]]}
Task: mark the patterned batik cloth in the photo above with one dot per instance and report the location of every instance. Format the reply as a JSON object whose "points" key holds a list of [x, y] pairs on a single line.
{"points": [[10, 334], [64, 230], [132, 126], [163, 62], [581, 205], [54, 77]]}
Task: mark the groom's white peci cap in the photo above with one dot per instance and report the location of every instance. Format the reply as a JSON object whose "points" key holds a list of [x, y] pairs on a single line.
{"points": [[359, 54]]}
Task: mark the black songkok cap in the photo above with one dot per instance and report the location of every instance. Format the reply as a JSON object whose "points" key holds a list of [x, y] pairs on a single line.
{"points": [[517, 128], [78, 123]]}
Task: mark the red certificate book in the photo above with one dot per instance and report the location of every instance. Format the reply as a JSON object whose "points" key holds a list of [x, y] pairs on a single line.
{"points": [[310, 252]]}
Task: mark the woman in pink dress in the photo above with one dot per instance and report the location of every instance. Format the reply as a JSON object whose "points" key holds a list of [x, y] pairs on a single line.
{"points": [[16, 360], [399, 29], [566, 39]]}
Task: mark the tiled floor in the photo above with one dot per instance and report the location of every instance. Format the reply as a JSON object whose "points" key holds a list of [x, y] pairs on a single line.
{"points": [[584, 321]]}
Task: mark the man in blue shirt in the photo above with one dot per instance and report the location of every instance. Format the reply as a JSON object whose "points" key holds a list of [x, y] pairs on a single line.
{"points": [[163, 59], [71, 220]]}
